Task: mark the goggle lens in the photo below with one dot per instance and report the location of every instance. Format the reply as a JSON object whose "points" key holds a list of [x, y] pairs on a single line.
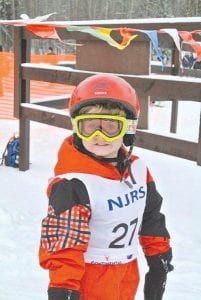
{"points": [[110, 127]]}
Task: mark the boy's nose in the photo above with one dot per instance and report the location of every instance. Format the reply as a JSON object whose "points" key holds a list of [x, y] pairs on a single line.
{"points": [[99, 139]]}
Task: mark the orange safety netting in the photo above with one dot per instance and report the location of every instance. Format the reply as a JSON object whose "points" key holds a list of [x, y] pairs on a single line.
{"points": [[39, 89]]}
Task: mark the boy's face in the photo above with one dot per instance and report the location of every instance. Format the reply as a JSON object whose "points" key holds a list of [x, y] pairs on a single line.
{"points": [[98, 145]]}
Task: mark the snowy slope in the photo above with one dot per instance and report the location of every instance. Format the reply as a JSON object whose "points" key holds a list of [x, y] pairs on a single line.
{"points": [[23, 204]]}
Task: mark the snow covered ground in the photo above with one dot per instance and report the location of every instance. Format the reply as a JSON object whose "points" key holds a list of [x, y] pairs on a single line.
{"points": [[23, 204]]}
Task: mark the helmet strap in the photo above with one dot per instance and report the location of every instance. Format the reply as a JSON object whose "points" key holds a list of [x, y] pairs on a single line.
{"points": [[126, 163]]}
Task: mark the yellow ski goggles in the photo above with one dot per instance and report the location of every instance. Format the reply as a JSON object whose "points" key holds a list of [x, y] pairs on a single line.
{"points": [[109, 127]]}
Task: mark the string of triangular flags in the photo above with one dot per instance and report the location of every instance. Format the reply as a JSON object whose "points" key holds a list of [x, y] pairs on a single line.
{"points": [[49, 30]]}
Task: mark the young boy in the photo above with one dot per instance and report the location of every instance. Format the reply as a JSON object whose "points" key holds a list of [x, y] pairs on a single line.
{"points": [[101, 199]]}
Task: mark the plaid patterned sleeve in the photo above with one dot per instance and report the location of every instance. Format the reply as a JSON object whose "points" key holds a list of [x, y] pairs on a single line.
{"points": [[66, 230]]}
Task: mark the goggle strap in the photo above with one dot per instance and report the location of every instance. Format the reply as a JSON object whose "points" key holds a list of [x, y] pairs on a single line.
{"points": [[131, 126]]}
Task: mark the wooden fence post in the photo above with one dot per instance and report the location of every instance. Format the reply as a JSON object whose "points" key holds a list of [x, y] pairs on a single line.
{"points": [[175, 71], [199, 145], [21, 95]]}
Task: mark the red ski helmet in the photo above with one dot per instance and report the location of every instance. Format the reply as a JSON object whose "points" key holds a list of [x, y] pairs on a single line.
{"points": [[102, 89]]}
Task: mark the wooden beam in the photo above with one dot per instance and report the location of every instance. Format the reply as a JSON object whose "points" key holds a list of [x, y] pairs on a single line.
{"points": [[144, 112], [21, 55], [46, 115], [22, 93], [56, 102], [167, 145], [24, 153], [56, 74], [168, 70], [175, 71], [174, 116], [199, 144], [166, 87]]}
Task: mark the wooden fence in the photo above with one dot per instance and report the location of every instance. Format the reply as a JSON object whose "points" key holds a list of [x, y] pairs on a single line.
{"points": [[132, 64]]}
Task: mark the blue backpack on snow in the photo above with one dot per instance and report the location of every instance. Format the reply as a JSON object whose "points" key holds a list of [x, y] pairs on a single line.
{"points": [[10, 155]]}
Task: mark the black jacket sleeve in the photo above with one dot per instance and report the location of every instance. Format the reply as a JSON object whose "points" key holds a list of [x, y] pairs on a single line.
{"points": [[153, 223]]}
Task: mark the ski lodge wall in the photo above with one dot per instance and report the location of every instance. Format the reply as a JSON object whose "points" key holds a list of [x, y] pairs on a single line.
{"points": [[133, 64]]}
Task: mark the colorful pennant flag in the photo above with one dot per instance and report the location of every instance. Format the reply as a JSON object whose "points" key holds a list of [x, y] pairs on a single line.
{"points": [[104, 34], [153, 36], [173, 33], [43, 31], [187, 38]]}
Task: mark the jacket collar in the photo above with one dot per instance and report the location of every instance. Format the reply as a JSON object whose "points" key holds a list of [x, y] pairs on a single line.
{"points": [[71, 160]]}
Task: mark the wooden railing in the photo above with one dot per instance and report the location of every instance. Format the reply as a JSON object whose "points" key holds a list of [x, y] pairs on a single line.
{"points": [[133, 64]]}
